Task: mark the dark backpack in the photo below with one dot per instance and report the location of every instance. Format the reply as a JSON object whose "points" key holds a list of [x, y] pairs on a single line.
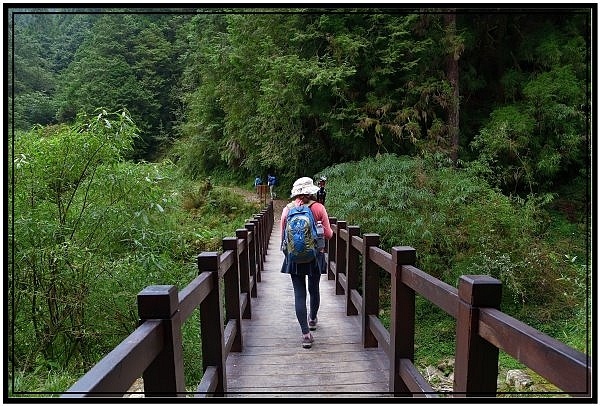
{"points": [[321, 196], [300, 234]]}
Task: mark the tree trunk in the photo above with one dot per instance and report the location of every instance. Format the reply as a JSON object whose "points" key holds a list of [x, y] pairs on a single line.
{"points": [[454, 51]]}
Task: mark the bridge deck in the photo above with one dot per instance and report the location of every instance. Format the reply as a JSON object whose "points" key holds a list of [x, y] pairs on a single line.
{"points": [[273, 362]]}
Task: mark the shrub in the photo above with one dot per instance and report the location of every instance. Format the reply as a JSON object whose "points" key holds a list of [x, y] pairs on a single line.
{"points": [[458, 224], [90, 232]]}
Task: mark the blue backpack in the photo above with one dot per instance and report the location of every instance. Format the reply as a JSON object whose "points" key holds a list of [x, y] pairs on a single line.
{"points": [[300, 235]]}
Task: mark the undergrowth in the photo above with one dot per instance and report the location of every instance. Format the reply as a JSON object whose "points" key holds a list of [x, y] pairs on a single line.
{"points": [[91, 232]]}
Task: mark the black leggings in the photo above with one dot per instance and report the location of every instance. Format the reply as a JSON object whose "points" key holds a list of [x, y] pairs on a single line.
{"points": [[299, 284]]}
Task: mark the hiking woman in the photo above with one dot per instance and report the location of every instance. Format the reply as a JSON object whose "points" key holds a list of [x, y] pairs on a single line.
{"points": [[301, 194]]}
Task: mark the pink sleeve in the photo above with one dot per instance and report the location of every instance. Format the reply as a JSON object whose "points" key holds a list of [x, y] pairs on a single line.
{"points": [[284, 213], [320, 213]]}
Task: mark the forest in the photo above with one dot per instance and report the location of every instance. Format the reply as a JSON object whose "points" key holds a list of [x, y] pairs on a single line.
{"points": [[463, 132]]}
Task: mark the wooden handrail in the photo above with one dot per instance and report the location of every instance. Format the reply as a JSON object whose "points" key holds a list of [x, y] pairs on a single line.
{"points": [[482, 329], [153, 350], [194, 293], [562, 365], [115, 373]]}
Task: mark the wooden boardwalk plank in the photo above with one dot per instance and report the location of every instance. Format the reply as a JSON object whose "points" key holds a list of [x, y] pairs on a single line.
{"points": [[273, 362]]}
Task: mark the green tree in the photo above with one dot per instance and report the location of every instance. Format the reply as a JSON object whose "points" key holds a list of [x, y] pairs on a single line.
{"points": [[32, 82], [44, 44], [325, 87], [126, 62], [66, 187], [539, 136]]}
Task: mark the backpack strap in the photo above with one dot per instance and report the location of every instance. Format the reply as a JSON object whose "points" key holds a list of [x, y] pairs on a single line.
{"points": [[290, 205]]}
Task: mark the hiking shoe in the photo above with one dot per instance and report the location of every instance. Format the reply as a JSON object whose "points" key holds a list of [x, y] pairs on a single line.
{"points": [[312, 324], [307, 340]]}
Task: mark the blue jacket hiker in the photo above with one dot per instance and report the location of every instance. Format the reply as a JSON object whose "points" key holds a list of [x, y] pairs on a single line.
{"points": [[271, 181], [257, 183]]}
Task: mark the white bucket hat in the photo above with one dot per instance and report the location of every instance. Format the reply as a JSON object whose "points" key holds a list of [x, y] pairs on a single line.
{"points": [[304, 186]]}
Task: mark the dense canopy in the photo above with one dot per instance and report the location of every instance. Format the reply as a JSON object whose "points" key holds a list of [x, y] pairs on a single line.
{"points": [[296, 90]]}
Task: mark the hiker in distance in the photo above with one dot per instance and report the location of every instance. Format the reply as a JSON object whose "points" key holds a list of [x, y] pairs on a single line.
{"points": [[302, 220], [271, 181], [322, 193], [257, 182]]}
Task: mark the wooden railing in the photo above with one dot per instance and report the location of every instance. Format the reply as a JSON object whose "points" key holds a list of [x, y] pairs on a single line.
{"points": [[154, 350], [481, 328]]}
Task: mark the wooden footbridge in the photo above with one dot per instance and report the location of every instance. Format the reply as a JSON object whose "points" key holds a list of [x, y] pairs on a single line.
{"points": [[251, 338], [274, 363]]}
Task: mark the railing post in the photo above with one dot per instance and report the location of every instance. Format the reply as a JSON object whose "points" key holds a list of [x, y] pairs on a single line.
{"points": [[262, 218], [370, 302], [164, 376], [331, 249], [263, 192], [266, 222], [252, 256], [258, 247], [244, 264], [231, 280], [476, 365], [352, 274], [340, 257], [402, 319], [270, 219], [211, 322]]}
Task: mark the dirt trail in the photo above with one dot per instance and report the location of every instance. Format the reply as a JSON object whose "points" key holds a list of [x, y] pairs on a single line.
{"points": [[278, 206], [251, 196]]}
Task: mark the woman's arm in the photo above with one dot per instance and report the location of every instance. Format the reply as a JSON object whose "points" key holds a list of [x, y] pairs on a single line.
{"points": [[320, 214], [284, 214]]}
